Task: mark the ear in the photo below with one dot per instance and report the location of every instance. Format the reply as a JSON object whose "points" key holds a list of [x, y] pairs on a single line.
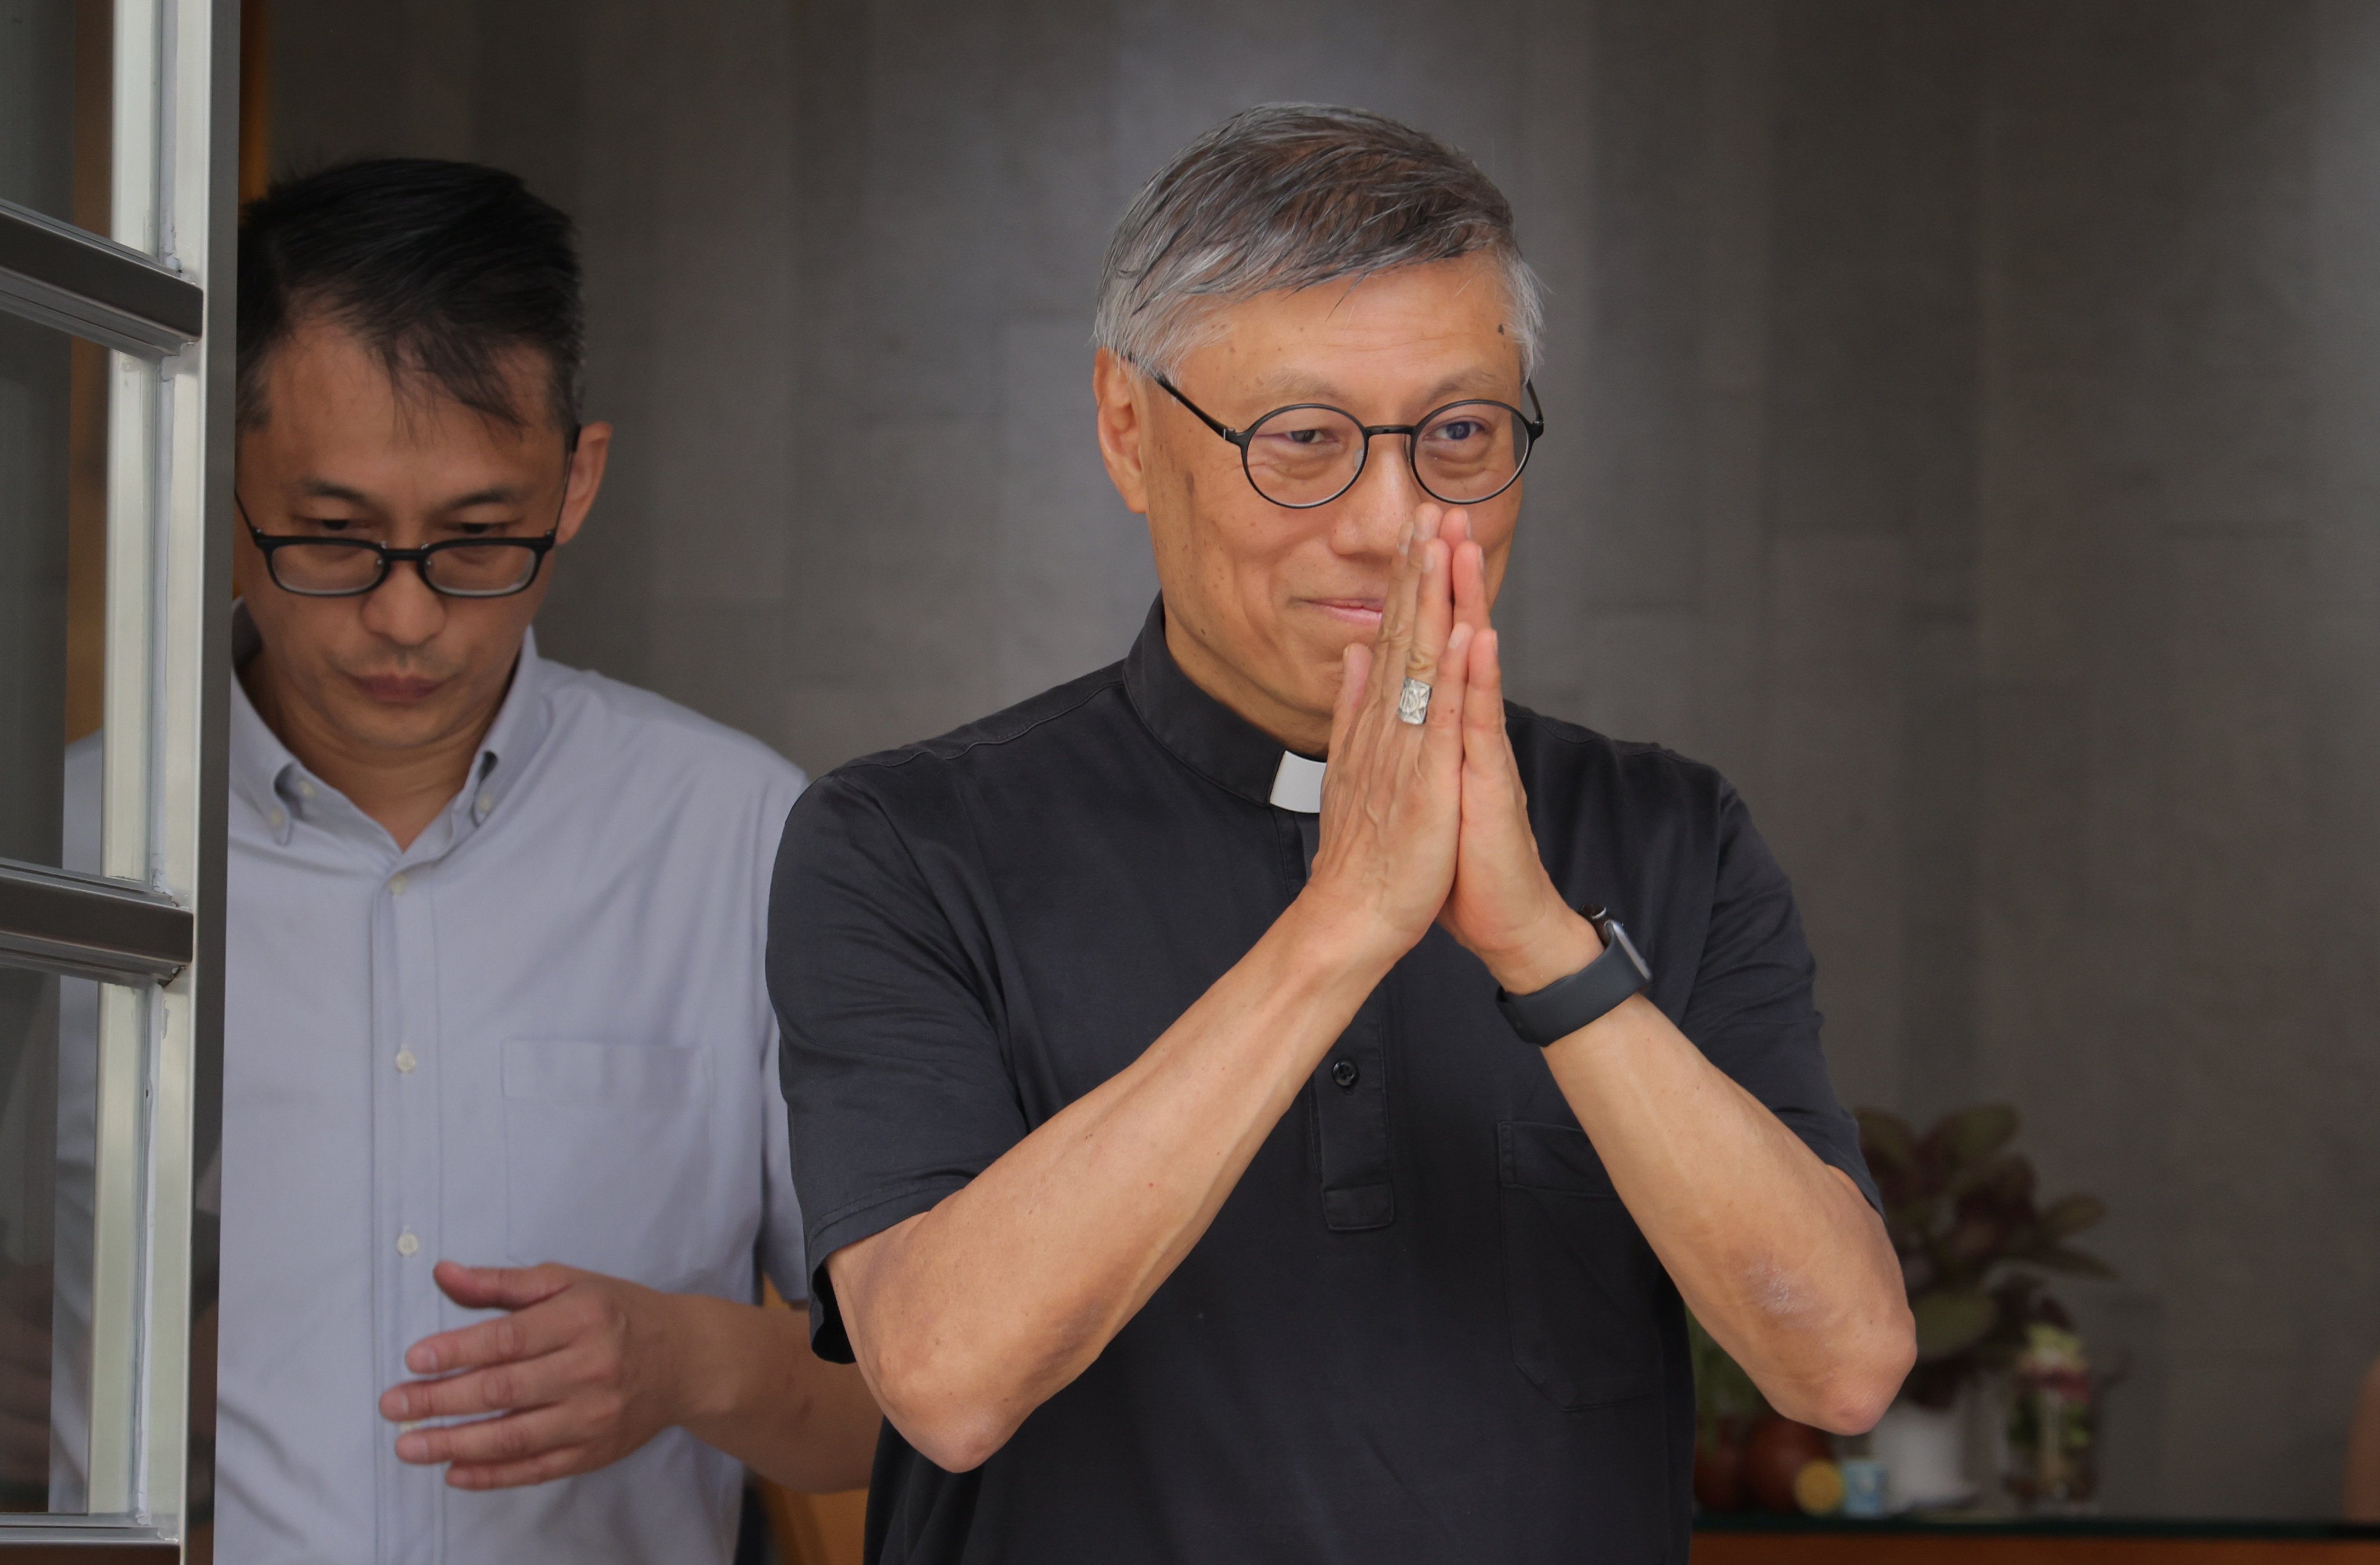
{"points": [[585, 477], [1123, 421]]}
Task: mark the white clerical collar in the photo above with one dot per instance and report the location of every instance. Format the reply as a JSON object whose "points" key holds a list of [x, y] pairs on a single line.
{"points": [[1298, 784]]}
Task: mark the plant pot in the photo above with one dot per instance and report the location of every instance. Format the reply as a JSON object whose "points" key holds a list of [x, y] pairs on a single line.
{"points": [[1924, 1454]]}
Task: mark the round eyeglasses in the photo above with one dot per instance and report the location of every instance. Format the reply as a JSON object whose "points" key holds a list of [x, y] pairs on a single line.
{"points": [[314, 566], [1310, 453]]}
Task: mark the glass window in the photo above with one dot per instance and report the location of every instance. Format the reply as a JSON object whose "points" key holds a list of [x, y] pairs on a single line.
{"points": [[53, 592], [56, 65], [49, 1097]]}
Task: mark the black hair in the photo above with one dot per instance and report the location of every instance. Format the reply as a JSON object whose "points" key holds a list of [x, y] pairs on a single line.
{"points": [[440, 268]]}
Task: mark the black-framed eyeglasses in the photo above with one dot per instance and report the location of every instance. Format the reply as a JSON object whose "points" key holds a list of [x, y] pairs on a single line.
{"points": [[455, 568], [1309, 453]]}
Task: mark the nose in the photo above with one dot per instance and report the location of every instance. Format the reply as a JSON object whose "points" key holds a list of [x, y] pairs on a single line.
{"points": [[1372, 516], [402, 608]]}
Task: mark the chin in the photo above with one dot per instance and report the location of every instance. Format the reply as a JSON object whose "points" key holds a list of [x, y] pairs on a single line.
{"points": [[385, 728]]}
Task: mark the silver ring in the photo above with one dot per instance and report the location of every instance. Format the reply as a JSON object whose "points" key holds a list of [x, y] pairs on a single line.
{"points": [[1413, 703]]}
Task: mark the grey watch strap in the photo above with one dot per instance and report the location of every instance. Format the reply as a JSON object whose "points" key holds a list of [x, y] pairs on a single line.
{"points": [[1591, 993]]}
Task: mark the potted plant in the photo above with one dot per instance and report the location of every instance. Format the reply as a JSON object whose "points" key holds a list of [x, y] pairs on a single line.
{"points": [[1960, 1210]]}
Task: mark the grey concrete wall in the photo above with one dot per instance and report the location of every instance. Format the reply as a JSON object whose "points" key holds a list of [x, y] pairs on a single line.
{"points": [[1962, 422]]}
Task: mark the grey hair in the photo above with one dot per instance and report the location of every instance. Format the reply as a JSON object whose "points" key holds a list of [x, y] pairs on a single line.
{"points": [[1287, 196]]}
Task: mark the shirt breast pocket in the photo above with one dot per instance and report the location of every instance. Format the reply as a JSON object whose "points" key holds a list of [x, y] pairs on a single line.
{"points": [[608, 1159], [1582, 1288]]}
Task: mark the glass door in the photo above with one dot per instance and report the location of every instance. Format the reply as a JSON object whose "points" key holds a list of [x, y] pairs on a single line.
{"points": [[117, 146]]}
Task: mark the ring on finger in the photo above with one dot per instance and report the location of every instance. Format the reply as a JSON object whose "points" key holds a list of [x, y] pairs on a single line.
{"points": [[1413, 703]]}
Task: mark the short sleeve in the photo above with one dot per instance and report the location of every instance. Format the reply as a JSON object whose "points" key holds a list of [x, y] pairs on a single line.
{"points": [[1751, 1012], [783, 1245], [780, 1243], [896, 1089]]}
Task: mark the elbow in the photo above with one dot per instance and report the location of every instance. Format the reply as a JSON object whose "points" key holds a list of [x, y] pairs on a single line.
{"points": [[955, 1444], [1856, 1389], [927, 1404]]}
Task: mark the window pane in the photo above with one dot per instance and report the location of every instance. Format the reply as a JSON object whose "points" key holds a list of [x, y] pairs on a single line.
{"points": [[49, 1051], [56, 63], [53, 592]]}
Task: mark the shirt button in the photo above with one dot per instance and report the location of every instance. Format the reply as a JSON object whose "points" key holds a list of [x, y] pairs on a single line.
{"points": [[1344, 1073], [406, 1243], [397, 884], [276, 818], [305, 789], [487, 802], [405, 1060]]}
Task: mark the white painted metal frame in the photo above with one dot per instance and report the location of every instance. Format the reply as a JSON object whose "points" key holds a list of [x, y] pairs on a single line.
{"points": [[167, 668]]}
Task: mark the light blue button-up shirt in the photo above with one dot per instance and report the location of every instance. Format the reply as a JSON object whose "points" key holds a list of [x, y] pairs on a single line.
{"points": [[538, 1033]]}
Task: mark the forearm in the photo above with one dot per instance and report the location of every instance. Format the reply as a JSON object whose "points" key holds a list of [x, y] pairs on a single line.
{"points": [[756, 1392], [970, 1316], [1776, 1253]]}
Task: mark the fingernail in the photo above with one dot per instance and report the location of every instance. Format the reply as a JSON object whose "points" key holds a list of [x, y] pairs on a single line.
{"points": [[413, 1447], [422, 1361], [1428, 559]]}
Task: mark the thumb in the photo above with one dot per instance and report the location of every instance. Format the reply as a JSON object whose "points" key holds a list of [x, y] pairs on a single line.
{"points": [[499, 1287]]}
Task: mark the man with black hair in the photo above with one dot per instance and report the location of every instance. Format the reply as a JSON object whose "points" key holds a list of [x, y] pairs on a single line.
{"points": [[503, 1156]]}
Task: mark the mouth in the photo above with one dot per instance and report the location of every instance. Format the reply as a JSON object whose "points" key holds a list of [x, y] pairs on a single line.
{"points": [[1362, 612], [397, 690]]}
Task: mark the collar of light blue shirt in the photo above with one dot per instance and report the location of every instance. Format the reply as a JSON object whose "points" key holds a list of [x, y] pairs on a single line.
{"points": [[281, 790]]}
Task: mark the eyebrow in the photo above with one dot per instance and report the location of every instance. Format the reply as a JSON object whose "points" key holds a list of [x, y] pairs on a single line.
{"points": [[495, 494], [1304, 388]]}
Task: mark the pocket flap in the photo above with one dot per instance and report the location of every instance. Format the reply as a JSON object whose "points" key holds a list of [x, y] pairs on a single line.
{"points": [[564, 1070], [1555, 1157]]}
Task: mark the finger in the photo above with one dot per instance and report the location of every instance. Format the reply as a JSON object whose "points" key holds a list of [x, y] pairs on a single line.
{"points": [[1448, 697], [522, 1335], [504, 1388], [1470, 574], [515, 1436], [1355, 669], [500, 1288], [1401, 607], [560, 1462], [1486, 744], [1434, 615]]}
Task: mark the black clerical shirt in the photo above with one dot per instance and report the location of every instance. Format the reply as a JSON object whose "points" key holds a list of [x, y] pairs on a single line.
{"points": [[1422, 1328]]}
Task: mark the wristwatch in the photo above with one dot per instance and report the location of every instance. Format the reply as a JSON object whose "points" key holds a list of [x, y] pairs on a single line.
{"points": [[1564, 1005]]}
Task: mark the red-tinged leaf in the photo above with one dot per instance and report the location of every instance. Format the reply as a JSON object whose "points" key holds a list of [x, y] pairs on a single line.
{"points": [[2070, 1215]]}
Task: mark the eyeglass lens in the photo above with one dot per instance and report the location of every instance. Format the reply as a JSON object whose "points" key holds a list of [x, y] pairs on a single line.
{"points": [[1467, 453], [470, 569]]}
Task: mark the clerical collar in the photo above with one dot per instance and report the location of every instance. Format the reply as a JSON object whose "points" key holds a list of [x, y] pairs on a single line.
{"points": [[1210, 738]]}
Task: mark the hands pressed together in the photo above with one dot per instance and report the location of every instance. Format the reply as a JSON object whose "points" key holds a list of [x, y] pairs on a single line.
{"points": [[1429, 822]]}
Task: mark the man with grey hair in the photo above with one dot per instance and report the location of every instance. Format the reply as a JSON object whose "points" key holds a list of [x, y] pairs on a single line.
{"points": [[1266, 1100]]}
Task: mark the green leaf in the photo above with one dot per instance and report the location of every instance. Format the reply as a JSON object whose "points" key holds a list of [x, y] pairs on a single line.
{"points": [[2071, 1214], [1973, 1134], [1952, 1321], [2072, 1262], [1886, 1139]]}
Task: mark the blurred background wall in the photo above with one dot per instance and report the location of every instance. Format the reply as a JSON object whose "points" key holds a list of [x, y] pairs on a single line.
{"points": [[1963, 432]]}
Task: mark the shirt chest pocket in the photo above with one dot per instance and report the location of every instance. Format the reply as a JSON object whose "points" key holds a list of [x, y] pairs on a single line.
{"points": [[1582, 1289], [609, 1159]]}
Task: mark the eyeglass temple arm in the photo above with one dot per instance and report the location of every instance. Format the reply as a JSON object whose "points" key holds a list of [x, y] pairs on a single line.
{"points": [[1233, 435]]}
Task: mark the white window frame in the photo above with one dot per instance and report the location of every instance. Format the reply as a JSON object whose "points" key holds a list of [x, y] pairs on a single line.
{"points": [[159, 293]]}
